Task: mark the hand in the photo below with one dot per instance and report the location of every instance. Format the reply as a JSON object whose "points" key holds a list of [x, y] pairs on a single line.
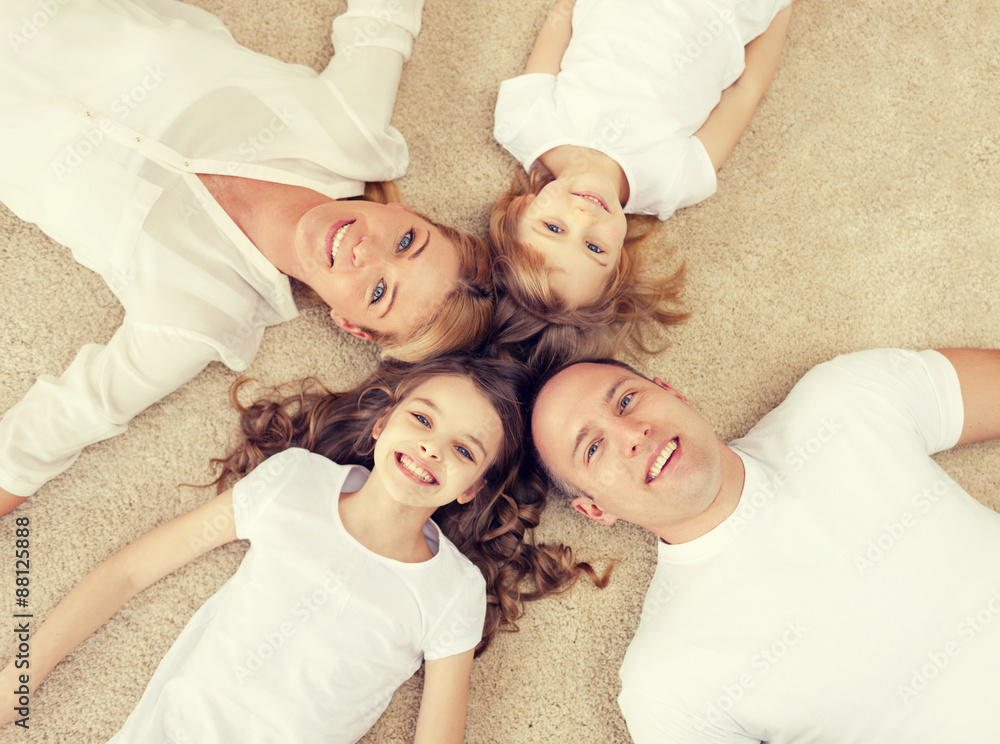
{"points": [[8, 501]]}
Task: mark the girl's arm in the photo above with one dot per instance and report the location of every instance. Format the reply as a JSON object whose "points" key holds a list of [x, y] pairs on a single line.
{"points": [[550, 46], [731, 116], [104, 590], [445, 699]]}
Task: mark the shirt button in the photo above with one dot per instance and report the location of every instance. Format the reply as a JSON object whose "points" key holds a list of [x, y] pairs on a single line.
{"points": [[187, 164], [138, 140]]}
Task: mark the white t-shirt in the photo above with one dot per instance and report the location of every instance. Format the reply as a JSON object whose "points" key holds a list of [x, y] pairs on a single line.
{"points": [[314, 632], [108, 112], [854, 594], [638, 79]]}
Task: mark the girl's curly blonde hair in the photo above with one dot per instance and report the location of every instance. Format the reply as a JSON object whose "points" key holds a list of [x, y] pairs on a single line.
{"points": [[542, 328]]}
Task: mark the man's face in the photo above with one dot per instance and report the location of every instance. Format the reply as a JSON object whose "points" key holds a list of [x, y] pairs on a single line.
{"points": [[377, 266], [637, 448]]}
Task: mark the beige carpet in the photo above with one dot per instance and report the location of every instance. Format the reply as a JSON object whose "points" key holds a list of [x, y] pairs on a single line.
{"points": [[859, 210]]}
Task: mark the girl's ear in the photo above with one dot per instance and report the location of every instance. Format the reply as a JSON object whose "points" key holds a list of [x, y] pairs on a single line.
{"points": [[379, 425], [470, 493]]}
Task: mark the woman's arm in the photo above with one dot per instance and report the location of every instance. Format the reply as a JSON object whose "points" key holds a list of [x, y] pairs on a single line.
{"points": [[731, 116], [445, 700], [104, 590], [550, 46]]}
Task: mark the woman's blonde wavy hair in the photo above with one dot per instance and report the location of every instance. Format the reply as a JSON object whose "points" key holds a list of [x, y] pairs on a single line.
{"points": [[543, 328], [464, 316]]}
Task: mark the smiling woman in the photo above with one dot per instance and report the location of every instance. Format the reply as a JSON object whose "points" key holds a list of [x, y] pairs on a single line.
{"points": [[198, 188]]}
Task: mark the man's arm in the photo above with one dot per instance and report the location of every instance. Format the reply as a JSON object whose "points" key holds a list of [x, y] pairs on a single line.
{"points": [[979, 376], [731, 116], [553, 39]]}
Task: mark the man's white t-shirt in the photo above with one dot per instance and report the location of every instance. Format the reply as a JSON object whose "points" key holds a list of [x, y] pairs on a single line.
{"points": [[308, 640], [854, 594]]}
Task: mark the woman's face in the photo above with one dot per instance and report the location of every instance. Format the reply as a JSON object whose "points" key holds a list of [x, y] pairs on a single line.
{"points": [[436, 445], [578, 227], [379, 267]]}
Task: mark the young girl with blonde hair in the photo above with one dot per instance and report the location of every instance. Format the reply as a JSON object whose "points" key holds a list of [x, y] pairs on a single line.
{"points": [[624, 108], [384, 530]]}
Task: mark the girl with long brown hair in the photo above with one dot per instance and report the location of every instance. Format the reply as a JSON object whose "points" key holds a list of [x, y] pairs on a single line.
{"points": [[368, 515]]}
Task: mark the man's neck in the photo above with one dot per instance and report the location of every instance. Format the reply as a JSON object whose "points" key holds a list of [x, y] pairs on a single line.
{"points": [[722, 506]]}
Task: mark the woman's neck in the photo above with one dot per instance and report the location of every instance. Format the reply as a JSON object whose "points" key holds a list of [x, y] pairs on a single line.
{"points": [[385, 526], [570, 160], [267, 213]]}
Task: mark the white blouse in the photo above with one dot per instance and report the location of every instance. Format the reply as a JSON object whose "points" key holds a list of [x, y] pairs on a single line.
{"points": [[101, 148]]}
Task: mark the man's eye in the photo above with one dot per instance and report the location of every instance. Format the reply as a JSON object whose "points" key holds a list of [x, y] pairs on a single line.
{"points": [[553, 228], [422, 419], [463, 452], [405, 242], [594, 248], [624, 402], [378, 291], [592, 450]]}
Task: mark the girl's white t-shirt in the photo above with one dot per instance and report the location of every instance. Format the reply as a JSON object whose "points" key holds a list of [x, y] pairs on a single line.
{"points": [[637, 80], [314, 632]]}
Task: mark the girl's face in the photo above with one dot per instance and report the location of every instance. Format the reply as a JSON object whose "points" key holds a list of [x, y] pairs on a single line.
{"points": [[578, 227], [436, 445]]}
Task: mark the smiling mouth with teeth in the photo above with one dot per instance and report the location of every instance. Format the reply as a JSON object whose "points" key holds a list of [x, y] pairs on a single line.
{"points": [[594, 199], [411, 466], [335, 243], [661, 460]]}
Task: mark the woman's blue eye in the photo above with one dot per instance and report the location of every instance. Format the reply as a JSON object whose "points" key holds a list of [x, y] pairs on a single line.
{"points": [[463, 452], [591, 450], [553, 228], [405, 241], [594, 248], [378, 291], [422, 419], [624, 402]]}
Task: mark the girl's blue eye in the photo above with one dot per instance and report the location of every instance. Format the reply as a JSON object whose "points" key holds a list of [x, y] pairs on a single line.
{"points": [[422, 419], [592, 450], [463, 452], [378, 291], [553, 228], [405, 241], [594, 248], [624, 402]]}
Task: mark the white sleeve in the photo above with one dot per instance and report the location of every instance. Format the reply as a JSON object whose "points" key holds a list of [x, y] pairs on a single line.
{"points": [[371, 40], [101, 390], [522, 119], [653, 720], [460, 628], [917, 391]]}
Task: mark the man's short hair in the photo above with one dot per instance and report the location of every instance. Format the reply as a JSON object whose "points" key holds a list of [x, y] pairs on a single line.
{"points": [[556, 482]]}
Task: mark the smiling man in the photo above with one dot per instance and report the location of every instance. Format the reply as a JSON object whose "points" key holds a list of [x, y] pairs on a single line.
{"points": [[819, 579]]}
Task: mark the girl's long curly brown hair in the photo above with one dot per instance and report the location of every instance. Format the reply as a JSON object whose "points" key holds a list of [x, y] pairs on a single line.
{"points": [[494, 530], [542, 329]]}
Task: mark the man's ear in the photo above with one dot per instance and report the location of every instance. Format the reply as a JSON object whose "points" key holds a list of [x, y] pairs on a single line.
{"points": [[470, 493], [670, 389], [588, 508], [348, 326]]}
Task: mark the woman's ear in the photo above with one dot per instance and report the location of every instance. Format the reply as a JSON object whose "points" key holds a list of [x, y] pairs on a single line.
{"points": [[348, 326]]}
